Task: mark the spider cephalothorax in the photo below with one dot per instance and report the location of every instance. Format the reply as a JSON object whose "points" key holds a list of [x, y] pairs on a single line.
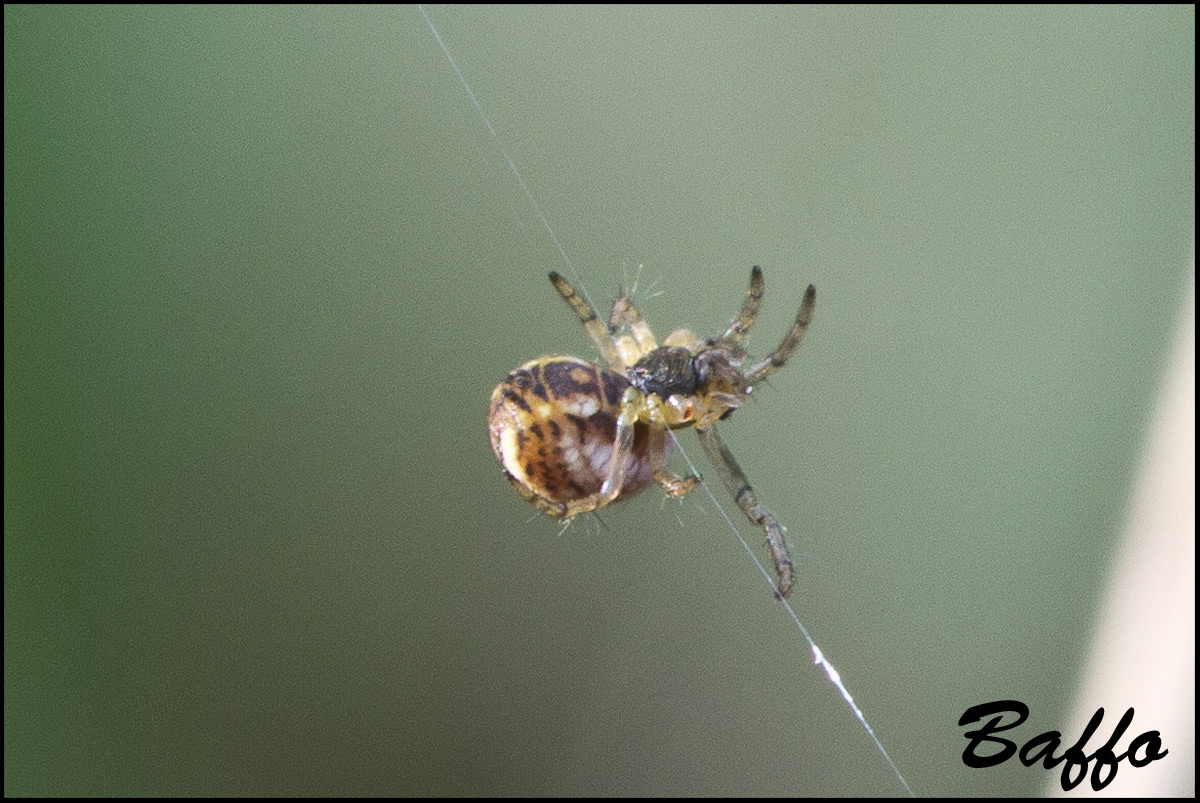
{"points": [[572, 437]]}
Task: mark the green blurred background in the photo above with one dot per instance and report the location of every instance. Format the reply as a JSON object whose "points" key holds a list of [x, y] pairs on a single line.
{"points": [[263, 267]]}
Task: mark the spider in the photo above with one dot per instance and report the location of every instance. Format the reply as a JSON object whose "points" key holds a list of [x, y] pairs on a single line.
{"points": [[572, 437]]}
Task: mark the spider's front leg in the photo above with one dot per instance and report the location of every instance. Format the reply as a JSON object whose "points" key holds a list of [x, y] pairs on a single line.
{"points": [[636, 407], [632, 404], [776, 359], [621, 459], [745, 319], [738, 486]]}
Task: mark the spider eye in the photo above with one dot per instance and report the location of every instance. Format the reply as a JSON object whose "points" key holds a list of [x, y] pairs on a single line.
{"points": [[684, 406]]}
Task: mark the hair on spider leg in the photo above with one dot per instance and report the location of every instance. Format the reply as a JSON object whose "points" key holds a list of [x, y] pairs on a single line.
{"points": [[675, 513], [631, 292], [538, 515], [677, 508], [587, 521], [603, 525], [651, 292], [628, 289]]}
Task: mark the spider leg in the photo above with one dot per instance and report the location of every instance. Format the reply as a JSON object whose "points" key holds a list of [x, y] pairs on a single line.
{"points": [[631, 408], [592, 324], [671, 484], [639, 341], [776, 359], [736, 483], [625, 314], [745, 319]]}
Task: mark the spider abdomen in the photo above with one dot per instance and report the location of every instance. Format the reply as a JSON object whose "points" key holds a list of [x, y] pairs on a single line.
{"points": [[553, 424]]}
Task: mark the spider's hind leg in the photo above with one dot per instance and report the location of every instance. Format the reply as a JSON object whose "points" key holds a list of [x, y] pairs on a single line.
{"points": [[738, 486], [592, 324]]}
